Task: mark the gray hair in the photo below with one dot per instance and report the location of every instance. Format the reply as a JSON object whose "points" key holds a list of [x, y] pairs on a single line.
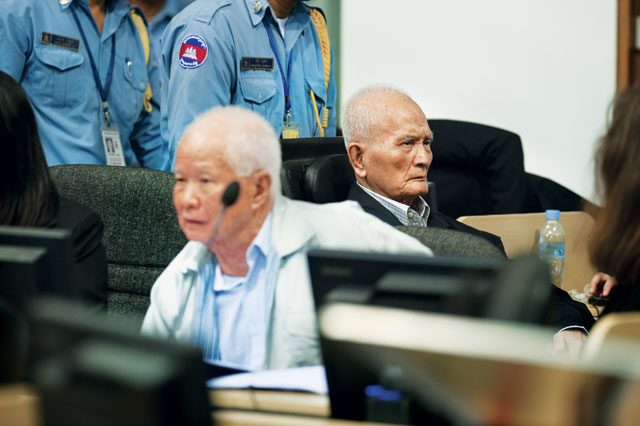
{"points": [[248, 141], [360, 116]]}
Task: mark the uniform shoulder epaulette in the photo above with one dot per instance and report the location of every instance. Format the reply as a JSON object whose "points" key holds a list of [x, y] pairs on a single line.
{"points": [[207, 13]]}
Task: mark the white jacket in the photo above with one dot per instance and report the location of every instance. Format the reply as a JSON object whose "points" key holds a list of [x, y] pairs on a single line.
{"points": [[297, 227]]}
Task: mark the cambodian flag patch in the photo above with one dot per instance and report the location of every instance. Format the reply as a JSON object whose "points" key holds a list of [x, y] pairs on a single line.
{"points": [[193, 52]]}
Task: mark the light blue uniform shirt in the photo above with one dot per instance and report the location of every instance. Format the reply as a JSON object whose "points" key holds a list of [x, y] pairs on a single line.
{"points": [[60, 84], [232, 316], [202, 59], [159, 23]]}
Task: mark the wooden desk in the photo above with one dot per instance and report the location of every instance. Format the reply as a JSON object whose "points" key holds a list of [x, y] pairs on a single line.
{"points": [[253, 418], [18, 406], [306, 404]]}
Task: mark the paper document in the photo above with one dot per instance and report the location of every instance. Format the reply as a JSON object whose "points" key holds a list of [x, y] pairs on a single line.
{"points": [[306, 379]]}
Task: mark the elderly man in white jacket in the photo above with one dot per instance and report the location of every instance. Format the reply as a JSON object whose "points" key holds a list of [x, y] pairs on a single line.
{"points": [[240, 289]]}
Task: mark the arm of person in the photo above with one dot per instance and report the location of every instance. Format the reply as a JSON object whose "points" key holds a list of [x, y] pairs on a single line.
{"points": [[145, 137], [90, 258], [573, 320], [569, 341], [15, 42], [192, 88]]}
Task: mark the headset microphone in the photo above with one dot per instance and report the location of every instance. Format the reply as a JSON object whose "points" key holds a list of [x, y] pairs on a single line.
{"points": [[229, 197]]}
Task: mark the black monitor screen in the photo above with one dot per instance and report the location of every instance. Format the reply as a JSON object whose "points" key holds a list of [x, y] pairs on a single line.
{"points": [[91, 372], [451, 285], [58, 277], [469, 287]]}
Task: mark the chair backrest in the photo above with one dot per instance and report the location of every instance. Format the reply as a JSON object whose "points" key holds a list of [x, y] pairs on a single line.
{"points": [[328, 179], [311, 148], [451, 243], [478, 169], [297, 155], [141, 232], [614, 327], [520, 232]]}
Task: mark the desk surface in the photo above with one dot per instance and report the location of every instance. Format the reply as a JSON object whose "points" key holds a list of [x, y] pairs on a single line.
{"points": [[253, 418], [19, 406], [307, 404]]}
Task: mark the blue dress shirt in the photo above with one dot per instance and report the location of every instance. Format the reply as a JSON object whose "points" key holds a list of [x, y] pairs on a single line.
{"points": [[202, 59], [232, 316], [60, 83]]}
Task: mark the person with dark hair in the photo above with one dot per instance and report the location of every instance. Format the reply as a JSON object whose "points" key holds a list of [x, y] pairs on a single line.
{"points": [[28, 196], [615, 246]]}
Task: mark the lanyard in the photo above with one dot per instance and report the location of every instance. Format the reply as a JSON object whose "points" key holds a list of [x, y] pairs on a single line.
{"points": [[286, 79], [104, 90]]}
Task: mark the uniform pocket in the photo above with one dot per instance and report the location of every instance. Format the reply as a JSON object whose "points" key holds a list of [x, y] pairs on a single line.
{"points": [[60, 81], [257, 91], [135, 83]]}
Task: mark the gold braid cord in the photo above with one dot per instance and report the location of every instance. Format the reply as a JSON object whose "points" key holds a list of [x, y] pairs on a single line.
{"points": [[138, 21], [323, 37]]}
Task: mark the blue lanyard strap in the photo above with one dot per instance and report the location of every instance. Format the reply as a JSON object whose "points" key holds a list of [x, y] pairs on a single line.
{"points": [[286, 79], [103, 90]]}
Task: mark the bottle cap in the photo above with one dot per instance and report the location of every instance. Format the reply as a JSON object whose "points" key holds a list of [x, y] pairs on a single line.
{"points": [[552, 214]]}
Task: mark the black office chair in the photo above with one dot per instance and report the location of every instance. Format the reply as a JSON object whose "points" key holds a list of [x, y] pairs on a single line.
{"points": [[297, 154], [478, 169], [328, 179]]}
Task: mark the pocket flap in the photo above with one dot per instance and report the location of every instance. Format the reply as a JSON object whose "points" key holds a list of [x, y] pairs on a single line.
{"points": [[58, 58], [317, 85], [257, 90]]}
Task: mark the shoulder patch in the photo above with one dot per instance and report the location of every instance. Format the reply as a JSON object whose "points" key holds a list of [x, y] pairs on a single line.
{"points": [[193, 52]]}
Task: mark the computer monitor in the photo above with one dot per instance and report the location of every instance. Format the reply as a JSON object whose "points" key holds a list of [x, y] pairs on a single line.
{"points": [[436, 284], [90, 371], [469, 371], [516, 291], [21, 270], [58, 277]]}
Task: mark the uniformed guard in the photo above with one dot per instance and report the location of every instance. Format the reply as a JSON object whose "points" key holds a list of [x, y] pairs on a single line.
{"points": [[85, 66], [273, 57], [159, 13]]}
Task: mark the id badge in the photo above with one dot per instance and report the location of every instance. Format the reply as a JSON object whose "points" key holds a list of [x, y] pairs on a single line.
{"points": [[290, 133], [290, 130], [112, 146]]}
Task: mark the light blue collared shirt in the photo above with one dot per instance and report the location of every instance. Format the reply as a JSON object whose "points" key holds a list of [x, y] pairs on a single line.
{"points": [[224, 32], [231, 324], [58, 79]]}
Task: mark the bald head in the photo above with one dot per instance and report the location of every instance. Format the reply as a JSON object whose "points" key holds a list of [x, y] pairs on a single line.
{"points": [[388, 142], [240, 137], [371, 107]]}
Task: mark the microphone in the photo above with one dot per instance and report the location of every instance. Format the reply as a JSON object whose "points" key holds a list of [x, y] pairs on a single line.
{"points": [[229, 197]]}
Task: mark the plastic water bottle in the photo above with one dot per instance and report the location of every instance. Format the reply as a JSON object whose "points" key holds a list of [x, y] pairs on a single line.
{"points": [[551, 246]]}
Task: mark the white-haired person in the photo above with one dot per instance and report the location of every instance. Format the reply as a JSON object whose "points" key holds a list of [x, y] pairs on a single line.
{"points": [[240, 288]]}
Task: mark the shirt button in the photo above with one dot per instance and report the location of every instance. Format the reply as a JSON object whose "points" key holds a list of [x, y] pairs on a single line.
{"points": [[410, 214]]}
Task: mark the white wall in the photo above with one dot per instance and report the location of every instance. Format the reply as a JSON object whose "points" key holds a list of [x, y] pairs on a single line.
{"points": [[544, 69]]}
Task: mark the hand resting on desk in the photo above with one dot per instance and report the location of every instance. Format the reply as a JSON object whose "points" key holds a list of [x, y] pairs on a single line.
{"points": [[569, 341]]}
